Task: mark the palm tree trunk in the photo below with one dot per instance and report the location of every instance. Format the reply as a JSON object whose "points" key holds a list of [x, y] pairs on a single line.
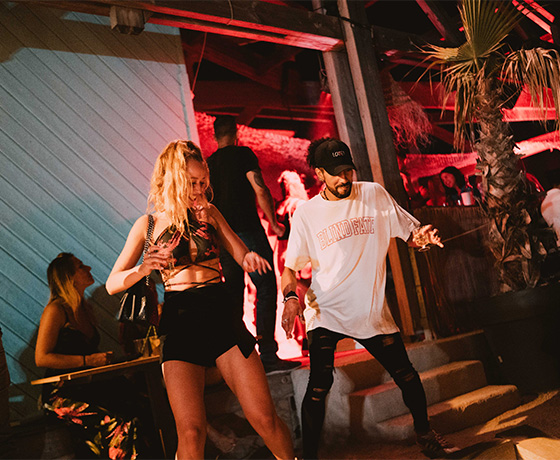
{"points": [[507, 201]]}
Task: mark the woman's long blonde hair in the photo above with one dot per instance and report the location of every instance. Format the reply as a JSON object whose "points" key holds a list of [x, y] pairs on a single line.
{"points": [[60, 277], [171, 184]]}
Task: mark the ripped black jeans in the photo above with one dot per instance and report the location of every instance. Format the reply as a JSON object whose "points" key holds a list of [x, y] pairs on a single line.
{"points": [[388, 349]]}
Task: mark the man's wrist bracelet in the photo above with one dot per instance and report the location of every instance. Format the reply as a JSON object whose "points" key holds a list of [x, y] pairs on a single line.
{"points": [[290, 295]]}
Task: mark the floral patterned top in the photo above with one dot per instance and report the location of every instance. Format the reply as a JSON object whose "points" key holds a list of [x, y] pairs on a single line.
{"points": [[204, 237]]}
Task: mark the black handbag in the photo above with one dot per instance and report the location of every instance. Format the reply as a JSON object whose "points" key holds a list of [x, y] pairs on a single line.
{"points": [[139, 302]]}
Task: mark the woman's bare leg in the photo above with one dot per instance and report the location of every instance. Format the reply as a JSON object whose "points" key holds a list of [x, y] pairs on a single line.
{"points": [[185, 390], [247, 380]]}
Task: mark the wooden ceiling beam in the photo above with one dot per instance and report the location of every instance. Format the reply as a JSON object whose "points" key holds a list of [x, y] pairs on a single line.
{"points": [[430, 97], [248, 114], [281, 55], [209, 97], [442, 134], [409, 60], [536, 13], [441, 21], [261, 20], [227, 54], [252, 20], [293, 114], [447, 136], [211, 94], [390, 41]]}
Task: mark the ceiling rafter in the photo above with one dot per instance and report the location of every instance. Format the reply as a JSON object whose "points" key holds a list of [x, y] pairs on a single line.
{"points": [[253, 19], [261, 20], [228, 54], [441, 21], [536, 13]]}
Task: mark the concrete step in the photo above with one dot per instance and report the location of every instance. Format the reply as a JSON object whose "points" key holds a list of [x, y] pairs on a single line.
{"points": [[383, 402], [357, 370], [454, 414]]}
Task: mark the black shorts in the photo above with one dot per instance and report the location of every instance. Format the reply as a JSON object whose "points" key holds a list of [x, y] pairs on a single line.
{"points": [[198, 325]]}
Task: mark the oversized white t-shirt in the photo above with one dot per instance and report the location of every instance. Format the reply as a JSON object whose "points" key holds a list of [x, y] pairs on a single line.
{"points": [[346, 242]]}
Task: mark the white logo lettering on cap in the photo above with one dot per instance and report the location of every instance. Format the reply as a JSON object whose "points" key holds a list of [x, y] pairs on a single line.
{"points": [[338, 153]]}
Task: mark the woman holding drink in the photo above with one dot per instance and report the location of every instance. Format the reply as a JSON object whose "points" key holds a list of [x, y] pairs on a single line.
{"points": [[197, 323]]}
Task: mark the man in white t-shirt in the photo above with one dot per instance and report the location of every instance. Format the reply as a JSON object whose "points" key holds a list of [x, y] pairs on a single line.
{"points": [[344, 232]]}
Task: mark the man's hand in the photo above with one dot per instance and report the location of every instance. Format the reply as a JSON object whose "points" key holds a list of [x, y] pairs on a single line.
{"points": [[424, 236], [292, 308]]}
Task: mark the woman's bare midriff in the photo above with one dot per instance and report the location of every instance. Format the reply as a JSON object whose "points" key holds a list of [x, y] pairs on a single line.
{"points": [[181, 278]]}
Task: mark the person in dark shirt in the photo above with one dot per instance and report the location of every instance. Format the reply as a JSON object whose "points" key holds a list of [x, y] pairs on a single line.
{"points": [[238, 185]]}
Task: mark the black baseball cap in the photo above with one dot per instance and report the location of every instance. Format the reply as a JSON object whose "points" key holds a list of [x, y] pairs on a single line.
{"points": [[334, 157]]}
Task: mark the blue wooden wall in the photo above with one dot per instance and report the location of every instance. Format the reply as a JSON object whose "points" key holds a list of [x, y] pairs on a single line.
{"points": [[84, 112]]}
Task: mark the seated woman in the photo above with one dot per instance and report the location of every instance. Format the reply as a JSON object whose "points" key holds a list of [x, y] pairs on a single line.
{"points": [[455, 184], [67, 341]]}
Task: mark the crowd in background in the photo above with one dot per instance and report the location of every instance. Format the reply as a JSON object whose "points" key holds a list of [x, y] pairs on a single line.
{"points": [[449, 188]]}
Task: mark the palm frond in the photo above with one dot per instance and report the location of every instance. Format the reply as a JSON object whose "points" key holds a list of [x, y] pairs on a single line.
{"points": [[486, 25], [539, 70], [441, 54]]}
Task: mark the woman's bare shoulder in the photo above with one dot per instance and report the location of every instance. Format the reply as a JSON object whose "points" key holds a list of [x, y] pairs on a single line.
{"points": [[55, 310], [140, 226], [142, 221]]}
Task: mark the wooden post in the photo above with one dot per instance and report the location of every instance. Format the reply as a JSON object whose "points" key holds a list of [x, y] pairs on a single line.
{"points": [[363, 123]]}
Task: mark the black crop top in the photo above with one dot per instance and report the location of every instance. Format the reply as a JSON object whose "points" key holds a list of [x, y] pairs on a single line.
{"points": [[204, 236], [72, 341]]}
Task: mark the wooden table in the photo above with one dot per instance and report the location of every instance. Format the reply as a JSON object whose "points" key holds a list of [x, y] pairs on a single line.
{"points": [[149, 366]]}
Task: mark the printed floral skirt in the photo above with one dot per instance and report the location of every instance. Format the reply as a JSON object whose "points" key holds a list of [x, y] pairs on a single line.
{"points": [[107, 432]]}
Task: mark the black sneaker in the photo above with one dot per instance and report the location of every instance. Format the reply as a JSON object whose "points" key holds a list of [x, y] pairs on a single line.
{"points": [[433, 445], [280, 365]]}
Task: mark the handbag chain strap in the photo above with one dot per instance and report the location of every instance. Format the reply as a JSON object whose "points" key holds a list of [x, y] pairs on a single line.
{"points": [[147, 242]]}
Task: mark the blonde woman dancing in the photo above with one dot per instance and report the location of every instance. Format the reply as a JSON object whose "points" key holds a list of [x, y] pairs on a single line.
{"points": [[198, 323]]}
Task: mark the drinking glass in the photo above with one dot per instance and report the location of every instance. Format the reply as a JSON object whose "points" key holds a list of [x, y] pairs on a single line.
{"points": [[166, 248]]}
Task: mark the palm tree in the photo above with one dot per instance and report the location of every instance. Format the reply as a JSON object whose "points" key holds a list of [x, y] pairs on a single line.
{"points": [[478, 72]]}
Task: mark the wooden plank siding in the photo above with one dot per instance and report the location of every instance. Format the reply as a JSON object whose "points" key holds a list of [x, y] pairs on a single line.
{"points": [[84, 112]]}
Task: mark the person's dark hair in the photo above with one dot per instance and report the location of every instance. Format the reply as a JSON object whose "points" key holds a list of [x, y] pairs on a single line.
{"points": [[312, 148], [459, 177], [225, 125]]}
